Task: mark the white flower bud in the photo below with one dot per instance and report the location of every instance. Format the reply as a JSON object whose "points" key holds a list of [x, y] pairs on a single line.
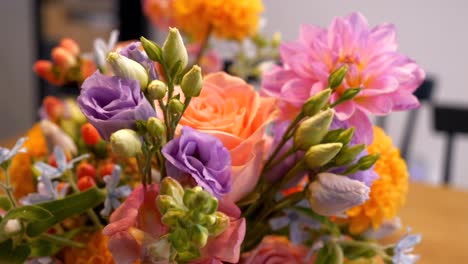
{"points": [[12, 226], [128, 69], [332, 195], [125, 143]]}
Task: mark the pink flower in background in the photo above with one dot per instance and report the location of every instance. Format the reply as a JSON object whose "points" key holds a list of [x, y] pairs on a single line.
{"points": [[388, 78], [275, 249], [210, 62]]}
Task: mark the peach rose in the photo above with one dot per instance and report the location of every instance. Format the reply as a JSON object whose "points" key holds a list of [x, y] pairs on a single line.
{"points": [[234, 112], [276, 250]]}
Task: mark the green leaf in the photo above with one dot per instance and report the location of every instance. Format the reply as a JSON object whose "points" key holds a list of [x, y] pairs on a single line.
{"points": [[64, 208], [28, 213], [175, 70], [13, 255], [5, 203], [42, 247]]}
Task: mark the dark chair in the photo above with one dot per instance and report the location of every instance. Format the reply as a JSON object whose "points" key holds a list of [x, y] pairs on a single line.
{"points": [[451, 120]]}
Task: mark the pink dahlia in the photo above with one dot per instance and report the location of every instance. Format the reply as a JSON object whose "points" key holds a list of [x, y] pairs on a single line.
{"points": [[388, 78]]}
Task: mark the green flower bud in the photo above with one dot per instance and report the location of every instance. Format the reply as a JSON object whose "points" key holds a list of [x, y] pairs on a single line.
{"points": [[349, 154], [175, 106], [166, 203], [125, 143], [313, 130], [174, 52], [319, 155], [346, 136], [152, 49], [156, 127], [172, 188], [336, 77], [180, 240], [157, 89], [192, 82], [368, 161], [198, 199], [171, 217], [332, 136], [199, 236], [128, 69], [208, 220], [347, 95], [221, 224], [315, 103]]}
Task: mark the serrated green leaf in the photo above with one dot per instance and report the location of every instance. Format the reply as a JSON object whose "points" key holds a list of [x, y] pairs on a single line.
{"points": [[5, 203], [10, 255], [64, 208]]}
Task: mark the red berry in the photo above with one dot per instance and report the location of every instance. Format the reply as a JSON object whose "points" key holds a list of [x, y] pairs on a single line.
{"points": [[53, 107], [90, 134], [52, 162], [106, 169], [85, 183], [86, 169]]}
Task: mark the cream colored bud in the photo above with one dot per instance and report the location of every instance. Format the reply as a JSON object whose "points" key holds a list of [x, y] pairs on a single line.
{"points": [[12, 226], [332, 195], [156, 127], [128, 69], [174, 52], [125, 143], [157, 89]]}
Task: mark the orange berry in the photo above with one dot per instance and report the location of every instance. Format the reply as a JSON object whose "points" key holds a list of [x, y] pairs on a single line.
{"points": [[85, 183], [85, 169], [90, 134], [71, 46], [106, 169], [53, 107], [52, 162], [63, 58]]}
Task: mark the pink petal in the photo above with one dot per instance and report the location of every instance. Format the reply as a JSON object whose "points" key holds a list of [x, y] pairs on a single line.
{"points": [[404, 101], [226, 247], [345, 110], [296, 91], [308, 33], [124, 248], [362, 124], [377, 105]]}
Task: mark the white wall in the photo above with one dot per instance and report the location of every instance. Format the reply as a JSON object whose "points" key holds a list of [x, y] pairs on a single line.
{"points": [[433, 32], [17, 85]]}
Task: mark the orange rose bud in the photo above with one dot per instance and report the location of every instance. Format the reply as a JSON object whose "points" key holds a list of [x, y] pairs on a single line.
{"points": [[71, 46], [90, 134], [53, 107], [86, 169], [106, 169], [85, 183], [63, 58]]}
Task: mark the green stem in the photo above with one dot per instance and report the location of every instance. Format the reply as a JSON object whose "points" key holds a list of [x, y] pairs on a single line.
{"points": [[61, 240], [280, 159], [8, 188], [92, 215], [203, 46]]}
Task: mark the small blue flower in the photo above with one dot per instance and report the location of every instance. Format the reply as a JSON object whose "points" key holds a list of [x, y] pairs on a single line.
{"points": [[101, 49], [62, 164], [47, 191], [297, 222], [114, 193], [7, 154], [404, 247]]}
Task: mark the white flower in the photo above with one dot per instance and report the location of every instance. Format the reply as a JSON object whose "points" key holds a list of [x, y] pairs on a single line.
{"points": [[101, 49], [7, 154], [404, 247]]}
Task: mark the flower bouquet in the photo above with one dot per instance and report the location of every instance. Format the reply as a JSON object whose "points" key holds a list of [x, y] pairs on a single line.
{"points": [[157, 161]]}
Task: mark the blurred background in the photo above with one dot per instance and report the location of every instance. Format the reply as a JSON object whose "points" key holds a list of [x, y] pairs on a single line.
{"points": [[431, 32]]}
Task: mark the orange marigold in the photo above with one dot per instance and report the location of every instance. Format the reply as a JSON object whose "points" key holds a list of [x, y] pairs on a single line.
{"points": [[388, 193], [20, 168], [96, 251], [229, 19]]}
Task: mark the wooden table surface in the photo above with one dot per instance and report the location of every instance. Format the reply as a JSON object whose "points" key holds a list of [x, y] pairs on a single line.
{"points": [[440, 214]]}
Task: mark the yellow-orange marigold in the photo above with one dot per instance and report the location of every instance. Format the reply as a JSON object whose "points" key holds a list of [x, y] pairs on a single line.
{"points": [[96, 251], [20, 167], [388, 193], [228, 19]]}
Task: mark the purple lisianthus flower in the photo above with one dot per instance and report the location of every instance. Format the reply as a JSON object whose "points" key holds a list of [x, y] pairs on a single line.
{"points": [[132, 51], [113, 103], [203, 157]]}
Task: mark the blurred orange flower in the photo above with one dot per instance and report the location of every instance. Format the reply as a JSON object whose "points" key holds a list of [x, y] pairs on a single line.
{"points": [[96, 251]]}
